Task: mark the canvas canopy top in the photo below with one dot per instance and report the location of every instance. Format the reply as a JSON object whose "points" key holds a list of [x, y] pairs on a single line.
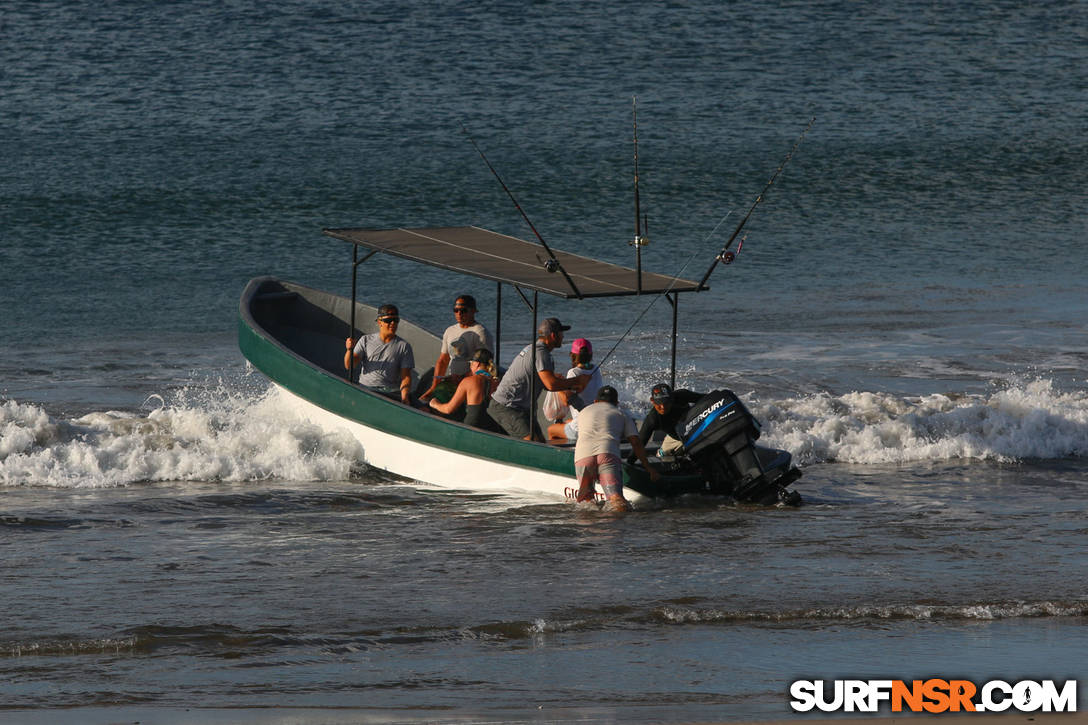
{"points": [[502, 258]]}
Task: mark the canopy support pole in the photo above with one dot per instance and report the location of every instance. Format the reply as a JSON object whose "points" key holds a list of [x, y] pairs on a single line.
{"points": [[525, 299], [533, 376], [351, 328], [498, 323], [355, 262]]}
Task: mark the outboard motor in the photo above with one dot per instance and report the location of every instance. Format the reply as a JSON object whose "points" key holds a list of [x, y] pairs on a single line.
{"points": [[719, 435]]}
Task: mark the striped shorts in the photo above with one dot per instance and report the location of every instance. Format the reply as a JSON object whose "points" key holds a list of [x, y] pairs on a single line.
{"points": [[603, 467]]}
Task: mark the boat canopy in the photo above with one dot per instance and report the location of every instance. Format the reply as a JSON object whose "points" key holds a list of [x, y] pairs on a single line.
{"points": [[505, 259]]}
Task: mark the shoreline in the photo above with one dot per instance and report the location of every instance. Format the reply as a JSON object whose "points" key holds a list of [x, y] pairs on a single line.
{"points": [[148, 715]]}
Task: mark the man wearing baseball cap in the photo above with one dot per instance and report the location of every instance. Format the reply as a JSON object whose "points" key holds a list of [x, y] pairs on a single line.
{"points": [[601, 427], [511, 401], [669, 408]]}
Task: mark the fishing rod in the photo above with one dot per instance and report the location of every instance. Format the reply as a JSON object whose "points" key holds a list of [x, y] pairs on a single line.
{"points": [[725, 254], [675, 279], [552, 264], [640, 240]]}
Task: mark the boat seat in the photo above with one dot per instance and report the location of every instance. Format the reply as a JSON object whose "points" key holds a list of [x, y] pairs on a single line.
{"points": [[424, 380]]}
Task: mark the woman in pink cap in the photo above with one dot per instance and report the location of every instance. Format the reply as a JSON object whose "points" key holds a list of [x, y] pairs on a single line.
{"points": [[581, 356]]}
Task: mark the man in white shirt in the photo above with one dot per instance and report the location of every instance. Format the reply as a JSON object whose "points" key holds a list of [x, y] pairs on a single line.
{"points": [[460, 342], [601, 427]]}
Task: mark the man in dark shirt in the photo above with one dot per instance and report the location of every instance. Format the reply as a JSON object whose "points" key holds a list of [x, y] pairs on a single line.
{"points": [[670, 407]]}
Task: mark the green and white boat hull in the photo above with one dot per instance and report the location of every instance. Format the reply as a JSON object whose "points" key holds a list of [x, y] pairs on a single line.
{"points": [[295, 336]]}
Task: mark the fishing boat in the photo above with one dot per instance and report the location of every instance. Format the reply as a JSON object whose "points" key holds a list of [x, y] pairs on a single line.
{"points": [[295, 335]]}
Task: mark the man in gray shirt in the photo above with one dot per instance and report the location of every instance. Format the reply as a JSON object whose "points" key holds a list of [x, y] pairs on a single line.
{"points": [[384, 360], [511, 401]]}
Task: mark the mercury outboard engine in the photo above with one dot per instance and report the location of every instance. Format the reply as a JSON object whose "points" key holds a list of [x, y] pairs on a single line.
{"points": [[719, 435]]}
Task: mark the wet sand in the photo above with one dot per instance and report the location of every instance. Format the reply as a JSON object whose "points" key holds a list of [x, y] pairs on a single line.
{"points": [[349, 716]]}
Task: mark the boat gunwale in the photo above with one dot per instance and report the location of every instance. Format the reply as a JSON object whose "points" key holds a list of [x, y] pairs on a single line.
{"points": [[374, 410]]}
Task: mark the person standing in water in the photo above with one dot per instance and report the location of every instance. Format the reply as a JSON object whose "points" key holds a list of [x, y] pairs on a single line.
{"points": [[601, 427]]}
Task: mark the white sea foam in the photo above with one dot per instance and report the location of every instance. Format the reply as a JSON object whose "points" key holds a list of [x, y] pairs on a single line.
{"points": [[1024, 420], [235, 437], [223, 436], [982, 610]]}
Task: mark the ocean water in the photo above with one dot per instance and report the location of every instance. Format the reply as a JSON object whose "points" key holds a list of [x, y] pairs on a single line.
{"points": [[906, 316]]}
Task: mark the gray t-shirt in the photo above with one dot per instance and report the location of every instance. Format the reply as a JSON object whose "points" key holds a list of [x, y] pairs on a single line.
{"points": [[513, 390], [601, 427], [461, 342], [381, 362]]}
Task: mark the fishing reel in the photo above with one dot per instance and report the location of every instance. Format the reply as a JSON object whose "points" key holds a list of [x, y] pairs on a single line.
{"points": [[551, 265], [728, 256], [640, 240]]}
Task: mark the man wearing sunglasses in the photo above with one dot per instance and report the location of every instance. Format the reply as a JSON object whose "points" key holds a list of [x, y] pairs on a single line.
{"points": [[384, 360], [459, 343]]}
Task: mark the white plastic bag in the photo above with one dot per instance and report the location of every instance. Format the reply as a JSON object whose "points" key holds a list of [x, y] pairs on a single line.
{"points": [[554, 407]]}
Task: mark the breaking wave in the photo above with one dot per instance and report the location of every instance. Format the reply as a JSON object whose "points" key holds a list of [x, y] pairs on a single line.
{"points": [[1023, 421], [223, 436], [227, 436]]}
